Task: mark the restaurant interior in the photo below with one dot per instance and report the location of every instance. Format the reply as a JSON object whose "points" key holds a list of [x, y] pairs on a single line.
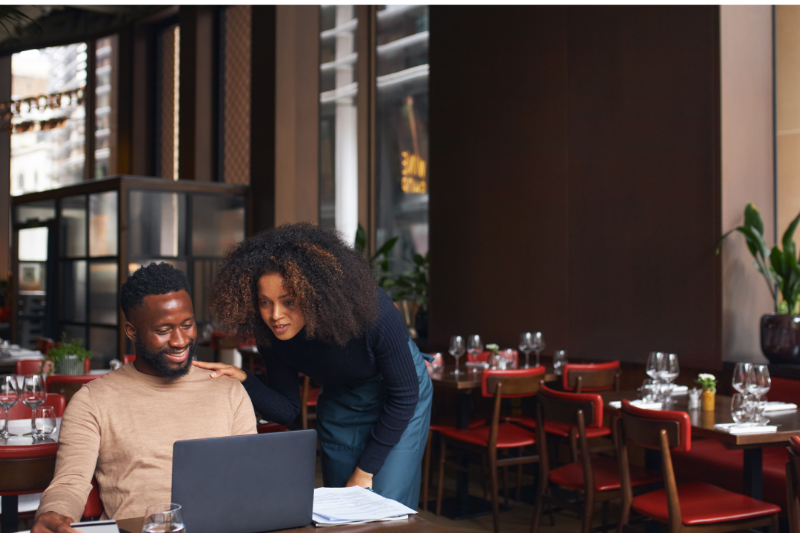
{"points": [[608, 239]]}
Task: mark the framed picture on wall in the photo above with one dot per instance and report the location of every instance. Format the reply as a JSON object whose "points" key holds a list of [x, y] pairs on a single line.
{"points": [[30, 277]]}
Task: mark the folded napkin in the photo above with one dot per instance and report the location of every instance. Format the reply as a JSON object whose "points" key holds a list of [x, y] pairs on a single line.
{"points": [[680, 389], [638, 403], [737, 429], [779, 406]]}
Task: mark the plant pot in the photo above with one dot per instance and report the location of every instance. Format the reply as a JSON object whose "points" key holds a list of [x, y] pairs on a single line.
{"points": [[70, 365], [780, 338], [707, 399]]}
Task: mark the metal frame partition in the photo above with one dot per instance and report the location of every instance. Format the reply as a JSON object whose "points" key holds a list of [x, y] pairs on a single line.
{"points": [[104, 229]]}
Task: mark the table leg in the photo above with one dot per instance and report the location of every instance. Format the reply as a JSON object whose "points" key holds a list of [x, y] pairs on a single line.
{"points": [[753, 475], [10, 519]]}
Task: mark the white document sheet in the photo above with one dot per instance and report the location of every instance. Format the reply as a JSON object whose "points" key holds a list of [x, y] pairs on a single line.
{"points": [[355, 504]]}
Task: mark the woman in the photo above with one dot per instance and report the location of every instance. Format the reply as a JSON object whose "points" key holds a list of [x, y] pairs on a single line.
{"points": [[312, 305]]}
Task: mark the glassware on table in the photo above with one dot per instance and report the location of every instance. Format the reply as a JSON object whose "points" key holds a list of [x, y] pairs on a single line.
{"points": [[538, 345], [668, 372], [694, 397], [741, 377], [649, 390], [526, 347], [457, 349], [45, 421], [9, 396], [474, 347], [559, 360], [740, 411], [758, 409], [654, 364], [163, 518], [33, 395]]}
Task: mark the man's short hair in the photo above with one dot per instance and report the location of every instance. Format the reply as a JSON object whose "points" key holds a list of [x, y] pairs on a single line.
{"points": [[155, 278]]}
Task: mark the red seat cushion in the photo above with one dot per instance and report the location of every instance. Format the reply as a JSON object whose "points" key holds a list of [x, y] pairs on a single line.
{"points": [[472, 425], [313, 396], [703, 503], [509, 436], [554, 428], [606, 475]]}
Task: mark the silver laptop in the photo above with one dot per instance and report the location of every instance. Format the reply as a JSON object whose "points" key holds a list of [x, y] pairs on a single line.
{"points": [[247, 483]]}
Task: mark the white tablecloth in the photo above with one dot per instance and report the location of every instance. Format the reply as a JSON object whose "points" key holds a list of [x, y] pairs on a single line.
{"points": [[21, 426]]}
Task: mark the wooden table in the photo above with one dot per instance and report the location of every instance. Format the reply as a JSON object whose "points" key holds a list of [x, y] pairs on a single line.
{"points": [[463, 505], [788, 423], [415, 524]]}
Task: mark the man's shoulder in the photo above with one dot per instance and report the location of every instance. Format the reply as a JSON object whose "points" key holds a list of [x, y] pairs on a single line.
{"points": [[203, 376]]}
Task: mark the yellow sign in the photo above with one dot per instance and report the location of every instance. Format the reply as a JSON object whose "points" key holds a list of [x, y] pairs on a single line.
{"points": [[414, 178]]}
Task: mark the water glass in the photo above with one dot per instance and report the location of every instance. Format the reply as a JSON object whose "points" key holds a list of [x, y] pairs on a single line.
{"points": [[526, 347], [758, 412], [741, 377], [33, 395], [9, 396], [559, 360], [457, 349], [694, 398], [538, 345], [163, 518], [45, 421], [654, 364], [474, 347], [740, 411], [649, 390], [759, 381]]}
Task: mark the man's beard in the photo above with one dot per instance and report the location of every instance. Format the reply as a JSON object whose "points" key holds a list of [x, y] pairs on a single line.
{"points": [[156, 361]]}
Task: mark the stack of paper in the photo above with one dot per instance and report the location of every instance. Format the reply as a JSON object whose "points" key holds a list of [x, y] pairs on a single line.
{"points": [[355, 505]]}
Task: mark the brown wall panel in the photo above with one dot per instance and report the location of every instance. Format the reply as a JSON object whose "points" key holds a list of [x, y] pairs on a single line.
{"points": [[498, 197]]}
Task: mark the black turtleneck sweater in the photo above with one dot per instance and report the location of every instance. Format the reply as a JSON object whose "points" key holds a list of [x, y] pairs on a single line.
{"points": [[382, 350]]}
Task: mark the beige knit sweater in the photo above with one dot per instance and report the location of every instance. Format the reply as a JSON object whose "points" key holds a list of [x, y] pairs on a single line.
{"points": [[121, 428]]}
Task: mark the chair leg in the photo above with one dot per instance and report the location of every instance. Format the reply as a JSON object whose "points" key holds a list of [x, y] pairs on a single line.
{"points": [[537, 514], [573, 444], [774, 526], [588, 511], [505, 483], [495, 495], [519, 479], [440, 488], [426, 471], [605, 516], [485, 476]]}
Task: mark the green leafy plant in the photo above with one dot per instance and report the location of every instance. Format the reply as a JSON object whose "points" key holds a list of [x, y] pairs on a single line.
{"points": [[378, 262], [779, 268], [413, 284], [65, 348], [707, 381]]}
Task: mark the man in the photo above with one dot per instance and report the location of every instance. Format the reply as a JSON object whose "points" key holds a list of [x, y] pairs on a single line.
{"points": [[121, 427]]}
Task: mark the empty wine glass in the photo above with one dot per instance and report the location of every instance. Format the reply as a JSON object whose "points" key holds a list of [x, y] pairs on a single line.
{"points": [[526, 347], [9, 396], [457, 349], [33, 395], [45, 421], [654, 364], [538, 345], [559, 360], [739, 409], [741, 377], [474, 347], [649, 390], [163, 518], [759, 407], [760, 381]]}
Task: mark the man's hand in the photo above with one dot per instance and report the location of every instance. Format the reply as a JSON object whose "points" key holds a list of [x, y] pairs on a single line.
{"points": [[359, 477], [53, 523], [221, 369]]}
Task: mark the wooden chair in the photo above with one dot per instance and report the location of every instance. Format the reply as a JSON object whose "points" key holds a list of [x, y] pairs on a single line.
{"points": [[68, 385], [595, 476], [487, 440], [308, 398], [26, 470], [792, 482], [128, 359], [43, 344], [591, 377], [33, 366], [686, 508]]}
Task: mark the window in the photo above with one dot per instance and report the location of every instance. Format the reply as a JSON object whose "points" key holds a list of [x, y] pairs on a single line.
{"points": [[105, 107]]}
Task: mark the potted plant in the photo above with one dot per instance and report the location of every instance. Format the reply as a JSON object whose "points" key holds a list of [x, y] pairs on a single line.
{"points": [[780, 331], [709, 384], [68, 356]]}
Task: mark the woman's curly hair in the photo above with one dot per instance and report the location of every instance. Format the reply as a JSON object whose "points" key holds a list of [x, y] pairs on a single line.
{"points": [[330, 281]]}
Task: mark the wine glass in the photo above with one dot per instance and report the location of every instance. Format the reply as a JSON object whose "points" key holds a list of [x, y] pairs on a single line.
{"points": [[739, 410], [669, 371], [45, 421], [9, 396], [474, 347], [741, 377], [163, 518], [759, 384], [33, 395], [456, 350], [649, 390], [654, 364], [538, 345], [526, 347], [559, 360]]}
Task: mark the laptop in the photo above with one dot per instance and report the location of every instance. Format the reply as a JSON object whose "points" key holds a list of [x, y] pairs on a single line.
{"points": [[247, 483]]}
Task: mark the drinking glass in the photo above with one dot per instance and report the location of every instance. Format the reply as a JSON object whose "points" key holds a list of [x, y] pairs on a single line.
{"points": [[474, 347], [33, 395], [538, 345], [526, 347], [45, 421], [649, 390], [739, 409], [457, 349], [654, 364], [559, 360], [758, 412], [760, 381], [163, 518], [9, 396], [741, 377]]}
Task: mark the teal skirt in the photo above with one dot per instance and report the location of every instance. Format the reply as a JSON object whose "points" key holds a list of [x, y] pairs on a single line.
{"points": [[346, 414]]}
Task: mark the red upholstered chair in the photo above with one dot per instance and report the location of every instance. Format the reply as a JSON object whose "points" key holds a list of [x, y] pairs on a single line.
{"points": [[26, 470], [94, 506], [596, 476], [270, 427], [590, 377], [128, 359], [43, 344], [308, 398], [33, 366], [482, 357], [503, 436], [690, 507], [68, 385], [56, 401]]}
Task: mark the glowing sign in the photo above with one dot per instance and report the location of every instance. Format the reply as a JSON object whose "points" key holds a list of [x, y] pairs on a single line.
{"points": [[414, 178]]}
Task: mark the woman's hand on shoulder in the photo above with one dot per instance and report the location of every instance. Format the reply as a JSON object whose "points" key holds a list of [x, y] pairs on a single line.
{"points": [[221, 369]]}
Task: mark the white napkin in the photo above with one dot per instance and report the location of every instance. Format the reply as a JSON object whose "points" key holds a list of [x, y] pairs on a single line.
{"points": [[638, 403], [736, 429], [779, 406], [680, 389]]}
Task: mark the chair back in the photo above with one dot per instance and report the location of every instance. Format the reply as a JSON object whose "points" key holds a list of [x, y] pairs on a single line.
{"points": [[128, 359], [270, 427], [511, 356], [792, 482], [563, 407], [482, 357], [27, 469], [21, 411], [644, 426], [43, 344], [94, 506], [33, 366], [68, 385], [515, 383], [591, 377]]}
